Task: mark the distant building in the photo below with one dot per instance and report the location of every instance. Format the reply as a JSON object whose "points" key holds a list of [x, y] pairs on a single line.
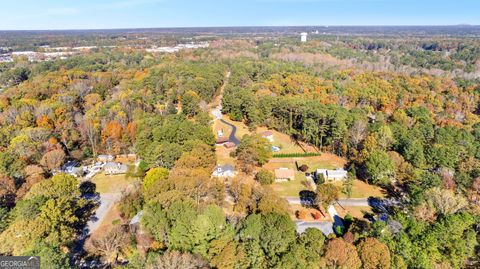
{"points": [[112, 168], [332, 175], [105, 158], [268, 135], [284, 174], [126, 158], [303, 37], [226, 170]]}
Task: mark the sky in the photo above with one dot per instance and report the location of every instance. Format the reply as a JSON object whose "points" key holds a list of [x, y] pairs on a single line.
{"points": [[106, 14]]}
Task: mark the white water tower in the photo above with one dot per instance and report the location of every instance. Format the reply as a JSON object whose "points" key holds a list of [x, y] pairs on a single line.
{"points": [[303, 37]]}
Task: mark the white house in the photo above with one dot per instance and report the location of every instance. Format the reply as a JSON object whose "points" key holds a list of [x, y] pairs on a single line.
{"points": [[332, 175], [225, 170], [303, 37], [112, 168]]}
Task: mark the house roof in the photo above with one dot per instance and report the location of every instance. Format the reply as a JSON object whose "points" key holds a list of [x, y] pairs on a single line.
{"points": [[222, 140], [226, 167], [284, 173], [267, 133], [339, 172], [137, 217], [112, 165]]}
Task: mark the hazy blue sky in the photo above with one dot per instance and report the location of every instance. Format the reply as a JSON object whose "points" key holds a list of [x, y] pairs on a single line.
{"points": [[83, 14]]}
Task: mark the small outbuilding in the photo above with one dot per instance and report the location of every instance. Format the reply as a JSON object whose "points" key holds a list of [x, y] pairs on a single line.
{"points": [[284, 174]]}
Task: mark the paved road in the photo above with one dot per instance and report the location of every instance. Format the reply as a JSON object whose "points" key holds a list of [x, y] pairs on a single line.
{"points": [[324, 226], [354, 202], [342, 202], [107, 201]]}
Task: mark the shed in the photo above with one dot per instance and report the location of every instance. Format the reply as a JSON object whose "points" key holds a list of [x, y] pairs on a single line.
{"points": [[284, 174]]}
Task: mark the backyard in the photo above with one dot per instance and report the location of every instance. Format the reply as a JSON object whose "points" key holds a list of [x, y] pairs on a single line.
{"points": [[361, 189], [112, 183]]}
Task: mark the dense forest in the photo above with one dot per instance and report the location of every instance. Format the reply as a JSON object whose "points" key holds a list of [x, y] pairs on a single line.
{"points": [[404, 113]]}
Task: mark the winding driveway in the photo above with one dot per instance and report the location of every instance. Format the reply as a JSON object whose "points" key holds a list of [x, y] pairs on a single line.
{"points": [[232, 138]]}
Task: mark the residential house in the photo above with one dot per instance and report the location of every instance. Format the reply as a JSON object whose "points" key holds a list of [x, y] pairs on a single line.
{"points": [[226, 170], [112, 168], [268, 135], [284, 174], [332, 175], [126, 158], [105, 158]]}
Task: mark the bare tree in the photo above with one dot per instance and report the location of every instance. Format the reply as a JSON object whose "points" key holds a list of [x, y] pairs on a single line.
{"points": [[357, 133], [111, 244], [53, 159]]}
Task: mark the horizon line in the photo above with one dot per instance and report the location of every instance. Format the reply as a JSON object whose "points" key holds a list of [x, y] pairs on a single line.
{"points": [[239, 26]]}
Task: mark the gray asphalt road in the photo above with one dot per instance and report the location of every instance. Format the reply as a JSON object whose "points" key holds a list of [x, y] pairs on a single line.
{"points": [[107, 201], [325, 227], [232, 138], [342, 202], [354, 202]]}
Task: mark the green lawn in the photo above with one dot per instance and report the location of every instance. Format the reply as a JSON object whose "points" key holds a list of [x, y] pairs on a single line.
{"points": [[111, 183], [362, 190], [315, 163], [290, 188]]}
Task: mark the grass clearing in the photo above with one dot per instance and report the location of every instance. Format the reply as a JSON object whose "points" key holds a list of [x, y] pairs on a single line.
{"points": [[112, 183], [223, 155], [242, 129], [293, 188], [218, 125], [361, 189], [355, 211]]}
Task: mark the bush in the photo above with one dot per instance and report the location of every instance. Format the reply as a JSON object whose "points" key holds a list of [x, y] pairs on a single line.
{"points": [[320, 179], [301, 214], [298, 154], [303, 168], [265, 177]]}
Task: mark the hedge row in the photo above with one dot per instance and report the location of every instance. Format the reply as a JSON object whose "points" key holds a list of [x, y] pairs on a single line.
{"points": [[298, 154]]}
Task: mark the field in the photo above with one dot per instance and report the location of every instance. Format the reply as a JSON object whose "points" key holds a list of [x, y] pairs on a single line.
{"points": [[242, 129], [112, 183], [223, 155], [361, 189], [218, 125], [355, 211]]}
